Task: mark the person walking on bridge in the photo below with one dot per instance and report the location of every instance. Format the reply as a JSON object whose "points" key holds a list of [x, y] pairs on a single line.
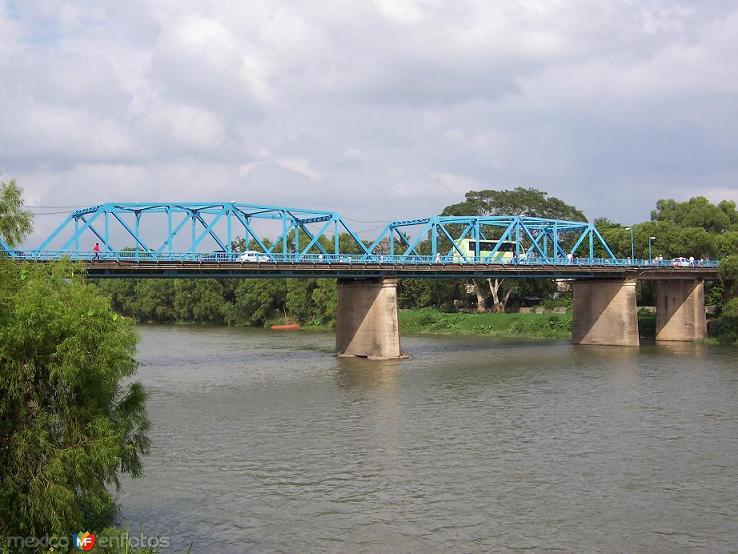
{"points": [[96, 251]]}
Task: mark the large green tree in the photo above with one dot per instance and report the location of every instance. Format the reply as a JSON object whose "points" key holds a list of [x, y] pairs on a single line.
{"points": [[698, 212], [518, 201], [70, 422]]}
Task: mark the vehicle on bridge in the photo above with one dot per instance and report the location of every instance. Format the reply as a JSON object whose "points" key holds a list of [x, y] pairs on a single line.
{"points": [[489, 250], [254, 256]]}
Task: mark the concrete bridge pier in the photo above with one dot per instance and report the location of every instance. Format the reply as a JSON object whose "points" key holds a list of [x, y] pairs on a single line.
{"points": [[680, 310], [366, 319], [605, 313]]}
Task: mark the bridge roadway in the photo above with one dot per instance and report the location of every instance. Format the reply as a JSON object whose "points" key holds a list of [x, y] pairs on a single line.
{"points": [[579, 270]]}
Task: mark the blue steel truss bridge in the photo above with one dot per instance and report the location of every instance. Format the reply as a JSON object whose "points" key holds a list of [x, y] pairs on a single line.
{"points": [[235, 240], [191, 240]]}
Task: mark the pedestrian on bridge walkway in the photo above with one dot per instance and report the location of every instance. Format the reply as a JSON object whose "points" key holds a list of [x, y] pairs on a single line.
{"points": [[96, 251]]}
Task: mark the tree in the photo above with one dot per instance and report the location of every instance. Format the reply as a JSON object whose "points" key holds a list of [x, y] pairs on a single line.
{"points": [[15, 222], [257, 299], [325, 299], [200, 301], [727, 327], [299, 299], [69, 423], [728, 273], [519, 201], [727, 243], [697, 212]]}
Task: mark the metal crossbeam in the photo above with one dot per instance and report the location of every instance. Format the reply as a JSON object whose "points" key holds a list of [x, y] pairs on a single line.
{"points": [[298, 235]]}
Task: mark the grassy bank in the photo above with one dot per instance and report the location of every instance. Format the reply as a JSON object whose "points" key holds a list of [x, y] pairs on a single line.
{"points": [[531, 325]]}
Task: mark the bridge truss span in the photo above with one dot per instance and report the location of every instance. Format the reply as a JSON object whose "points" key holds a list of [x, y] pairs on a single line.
{"points": [[190, 228], [192, 239]]}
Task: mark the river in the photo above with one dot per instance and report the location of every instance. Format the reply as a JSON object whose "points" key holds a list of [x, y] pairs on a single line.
{"points": [[264, 441]]}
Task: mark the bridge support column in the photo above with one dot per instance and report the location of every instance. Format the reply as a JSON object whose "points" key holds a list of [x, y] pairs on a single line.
{"points": [[680, 310], [605, 313], [366, 319]]}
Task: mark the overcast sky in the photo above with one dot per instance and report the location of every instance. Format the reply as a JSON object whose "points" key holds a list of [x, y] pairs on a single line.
{"points": [[377, 109]]}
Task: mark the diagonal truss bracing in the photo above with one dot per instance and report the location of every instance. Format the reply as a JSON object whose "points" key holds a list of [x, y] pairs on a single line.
{"points": [[160, 229], [530, 236], [187, 227]]}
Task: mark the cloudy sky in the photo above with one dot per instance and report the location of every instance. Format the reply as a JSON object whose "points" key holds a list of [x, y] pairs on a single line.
{"points": [[377, 109]]}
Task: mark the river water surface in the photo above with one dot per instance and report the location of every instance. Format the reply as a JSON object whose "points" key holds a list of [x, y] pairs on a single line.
{"points": [[264, 441]]}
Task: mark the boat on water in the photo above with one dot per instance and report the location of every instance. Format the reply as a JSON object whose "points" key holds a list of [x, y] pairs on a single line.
{"points": [[286, 327]]}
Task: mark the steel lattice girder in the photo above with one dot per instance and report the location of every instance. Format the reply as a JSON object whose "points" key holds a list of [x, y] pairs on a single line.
{"points": [[294, 221], [528, 234], [438, 235]]}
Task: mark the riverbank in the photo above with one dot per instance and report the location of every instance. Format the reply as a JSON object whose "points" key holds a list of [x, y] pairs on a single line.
{"points": [[504, 325], [431, 321]]}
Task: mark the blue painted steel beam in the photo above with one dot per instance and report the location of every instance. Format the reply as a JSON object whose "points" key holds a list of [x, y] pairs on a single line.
{"points": [[529, 234]]}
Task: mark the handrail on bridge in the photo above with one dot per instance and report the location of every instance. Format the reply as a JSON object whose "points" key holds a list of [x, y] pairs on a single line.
{"points": [[252, 258], [207, 231]]}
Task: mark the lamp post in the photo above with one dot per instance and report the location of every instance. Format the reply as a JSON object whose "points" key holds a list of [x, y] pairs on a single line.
{"points": [[632, 244], [650, 257]]}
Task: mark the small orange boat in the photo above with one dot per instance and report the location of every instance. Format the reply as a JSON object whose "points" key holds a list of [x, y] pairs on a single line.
{"points": [[286, 327]]}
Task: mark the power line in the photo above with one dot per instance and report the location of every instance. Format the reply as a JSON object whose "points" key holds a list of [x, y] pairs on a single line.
{"points": [[50, 213], [52, 207], [363, 221]]}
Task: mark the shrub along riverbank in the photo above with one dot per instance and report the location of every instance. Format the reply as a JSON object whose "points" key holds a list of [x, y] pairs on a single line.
{"points": [[430, 321], [528, 325]]}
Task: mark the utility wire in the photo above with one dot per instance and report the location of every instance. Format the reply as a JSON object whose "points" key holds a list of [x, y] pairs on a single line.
{"points": [[52, 207], [363, 221], [50, 213]]}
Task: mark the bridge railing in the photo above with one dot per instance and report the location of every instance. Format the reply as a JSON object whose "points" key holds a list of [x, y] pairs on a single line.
{"points": [[142, 256]]}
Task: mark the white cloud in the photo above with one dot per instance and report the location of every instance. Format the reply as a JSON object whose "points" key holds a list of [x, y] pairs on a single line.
{"points": [[375, 109]]}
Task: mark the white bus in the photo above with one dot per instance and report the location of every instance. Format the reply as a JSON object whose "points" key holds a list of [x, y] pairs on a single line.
{"points": [[506, 251]]}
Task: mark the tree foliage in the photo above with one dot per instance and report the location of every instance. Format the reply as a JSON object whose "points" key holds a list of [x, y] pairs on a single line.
{"points": [[518, 201], [15, 222], [69, 425], [698, 212]]}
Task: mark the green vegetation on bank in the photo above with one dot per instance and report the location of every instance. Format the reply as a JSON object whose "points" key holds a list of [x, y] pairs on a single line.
{"points": [[528, 325]]}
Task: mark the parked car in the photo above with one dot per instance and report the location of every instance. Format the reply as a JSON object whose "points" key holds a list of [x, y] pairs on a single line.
{"points": [[253, 256], [680, 262]]}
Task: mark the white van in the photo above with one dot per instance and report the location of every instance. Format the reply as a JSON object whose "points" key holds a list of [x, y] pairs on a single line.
{"points": [[253, 256]]}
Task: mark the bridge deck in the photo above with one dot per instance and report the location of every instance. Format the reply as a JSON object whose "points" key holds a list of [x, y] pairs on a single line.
{"points": [[240, 270]]}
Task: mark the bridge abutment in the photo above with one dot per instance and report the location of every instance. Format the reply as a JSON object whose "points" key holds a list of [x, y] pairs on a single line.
{"points": [[366, 319], [680, 310], [605, 313]]}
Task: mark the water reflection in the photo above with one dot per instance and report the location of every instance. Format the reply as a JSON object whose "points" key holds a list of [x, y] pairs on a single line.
{"points": [[360, 373], [695, 350], [269, 443]]}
